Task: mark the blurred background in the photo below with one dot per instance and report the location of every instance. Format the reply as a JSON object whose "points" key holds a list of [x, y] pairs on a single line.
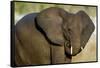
{"points": [[89, 52]]}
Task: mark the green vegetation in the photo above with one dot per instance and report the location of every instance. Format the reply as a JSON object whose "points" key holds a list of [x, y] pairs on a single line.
{"points": [[25, 7]]}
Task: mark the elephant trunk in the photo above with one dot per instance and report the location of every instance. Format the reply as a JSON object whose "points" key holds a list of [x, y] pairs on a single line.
{"points": [[75, 47], [72, 47]]}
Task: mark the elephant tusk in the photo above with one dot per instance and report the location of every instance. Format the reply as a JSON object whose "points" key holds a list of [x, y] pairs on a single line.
{"points": [[82, 48], [71, 50]]}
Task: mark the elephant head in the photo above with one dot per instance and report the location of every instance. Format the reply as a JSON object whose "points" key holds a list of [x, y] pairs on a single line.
{"points": [[77, 30], [63, 28]]}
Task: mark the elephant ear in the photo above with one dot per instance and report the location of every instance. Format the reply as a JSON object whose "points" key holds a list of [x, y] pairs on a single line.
{"points": [[51, 26], [87, 28]]}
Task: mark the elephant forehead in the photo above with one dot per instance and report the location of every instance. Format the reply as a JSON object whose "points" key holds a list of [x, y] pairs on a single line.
{"points": [[75, 22]]}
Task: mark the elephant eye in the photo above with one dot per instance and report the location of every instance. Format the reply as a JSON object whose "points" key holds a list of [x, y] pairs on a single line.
{"points": [[69, 30]]}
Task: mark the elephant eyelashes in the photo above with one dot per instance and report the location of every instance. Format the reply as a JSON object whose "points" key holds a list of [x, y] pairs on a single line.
{"points": [[69, 30]]}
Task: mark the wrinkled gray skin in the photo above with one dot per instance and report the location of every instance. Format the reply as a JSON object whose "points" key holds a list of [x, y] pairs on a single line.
{"points": [[47, 37]]}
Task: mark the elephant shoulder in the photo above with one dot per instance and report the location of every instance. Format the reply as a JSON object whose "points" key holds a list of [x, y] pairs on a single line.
{"points": [[26, 22]]}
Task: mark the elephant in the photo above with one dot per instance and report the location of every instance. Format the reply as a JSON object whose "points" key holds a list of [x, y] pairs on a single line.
{"points": [[51, 36]]}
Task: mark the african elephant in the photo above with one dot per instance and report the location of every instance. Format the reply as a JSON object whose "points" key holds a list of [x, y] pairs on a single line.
{"points": [[51, 36]]}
